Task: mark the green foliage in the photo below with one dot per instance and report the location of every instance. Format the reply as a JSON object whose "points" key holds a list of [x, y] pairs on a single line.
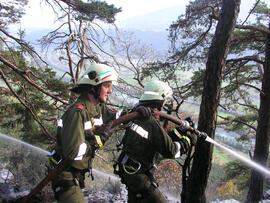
{"points": [[262, 13], [219, 158], [197, 88], [159, 70], [191, 35], [11, 11], [246, 40], [18, 111], [236, 169], [97, 10], [228, 179], [240, 124], [189, 27]]}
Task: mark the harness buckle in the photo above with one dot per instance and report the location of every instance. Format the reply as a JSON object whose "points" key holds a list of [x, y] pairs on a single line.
{"points": [[130, 166]]}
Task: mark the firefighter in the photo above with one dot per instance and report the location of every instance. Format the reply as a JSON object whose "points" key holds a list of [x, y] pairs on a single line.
{"points": [[144, 139], [76, 139]]}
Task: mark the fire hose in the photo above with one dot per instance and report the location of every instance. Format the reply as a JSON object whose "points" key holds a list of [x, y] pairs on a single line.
{"points": [[116, 122]]}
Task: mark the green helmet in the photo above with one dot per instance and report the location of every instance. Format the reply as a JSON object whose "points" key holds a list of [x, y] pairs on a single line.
{"points": [[156, 90], [97, 74]]}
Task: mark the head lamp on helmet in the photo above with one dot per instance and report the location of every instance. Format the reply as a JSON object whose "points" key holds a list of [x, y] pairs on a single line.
{"points": [[156, 90]]}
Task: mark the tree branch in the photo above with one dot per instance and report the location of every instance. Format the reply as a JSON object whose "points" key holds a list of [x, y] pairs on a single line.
{"points": [[29, 80], [228, 121], [263, 30], [35, 116], [24, 45], [250, 12]]}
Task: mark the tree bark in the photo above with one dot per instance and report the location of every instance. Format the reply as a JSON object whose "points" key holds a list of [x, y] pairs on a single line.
{"points": [[197, 182], [255, 192]]}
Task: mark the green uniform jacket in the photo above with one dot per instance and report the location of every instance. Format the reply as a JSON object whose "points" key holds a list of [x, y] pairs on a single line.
{"points": [[75, 138], [144, 138]]}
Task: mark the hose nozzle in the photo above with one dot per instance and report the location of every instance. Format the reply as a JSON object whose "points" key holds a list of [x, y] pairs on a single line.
{"points": [[200, 134]]}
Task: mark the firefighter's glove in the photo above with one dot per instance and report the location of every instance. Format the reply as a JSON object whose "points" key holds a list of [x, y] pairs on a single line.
{"points": [[104, 132], [144, 112], [193, 137], [190, 121], [186, 139], [185, 144]]}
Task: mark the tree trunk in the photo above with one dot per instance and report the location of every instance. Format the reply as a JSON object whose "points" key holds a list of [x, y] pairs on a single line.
{"points": [[255, 192], [196, 184]]}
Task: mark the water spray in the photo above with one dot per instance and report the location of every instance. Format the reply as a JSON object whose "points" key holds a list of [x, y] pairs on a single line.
{"points": [[12, 139], [205, 137], [242, 158]]}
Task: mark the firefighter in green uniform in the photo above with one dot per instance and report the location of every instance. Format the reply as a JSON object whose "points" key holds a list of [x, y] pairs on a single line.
{"points": [[143, 140], [76, 139]]}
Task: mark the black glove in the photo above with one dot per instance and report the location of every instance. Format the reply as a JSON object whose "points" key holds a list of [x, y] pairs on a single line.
{"points": [[145, 112], [103, 132], [191, 122], [193, 137], [186, 139], [185, 144]]}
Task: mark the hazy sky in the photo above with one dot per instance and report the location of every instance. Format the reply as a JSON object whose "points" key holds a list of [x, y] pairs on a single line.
{"points": [[138, 7], [44, 17], [37, 17]]}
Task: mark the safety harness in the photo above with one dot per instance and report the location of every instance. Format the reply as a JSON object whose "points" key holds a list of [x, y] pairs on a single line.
{"points": [[78, 175], [130, 166]]}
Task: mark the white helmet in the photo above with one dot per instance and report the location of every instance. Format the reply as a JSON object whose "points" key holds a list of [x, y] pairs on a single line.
{"points": [[97, 74], [156, 90]]}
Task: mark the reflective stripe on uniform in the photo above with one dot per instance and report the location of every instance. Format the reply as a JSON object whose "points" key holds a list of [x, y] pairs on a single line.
{"points": [[82, 150], [60, 123], [118, 113], [98, 139], [138, 129], [178, 154], [98, 121], [87, 125]]}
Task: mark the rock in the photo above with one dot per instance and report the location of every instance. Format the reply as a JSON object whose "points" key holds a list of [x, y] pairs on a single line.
{"points": [[5, 176]]}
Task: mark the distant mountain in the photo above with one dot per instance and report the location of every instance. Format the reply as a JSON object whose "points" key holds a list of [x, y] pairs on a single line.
{"points": [[32, 34], [150, 29], [155, 21], [155, 40]]}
